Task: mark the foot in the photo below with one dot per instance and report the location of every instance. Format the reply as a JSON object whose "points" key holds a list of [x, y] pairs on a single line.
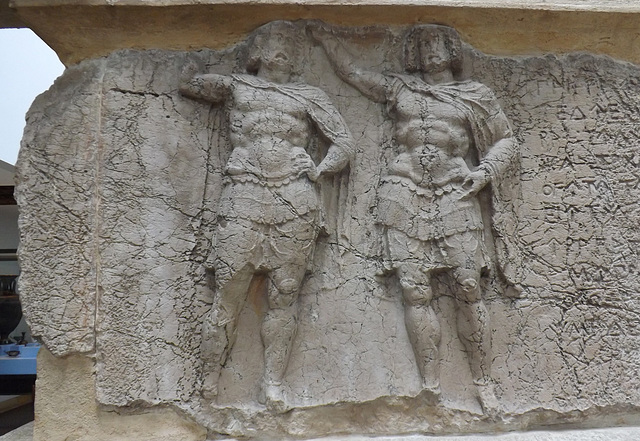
{"points": [[209, 389], [430, 393], [272, 397], [488, 400]]}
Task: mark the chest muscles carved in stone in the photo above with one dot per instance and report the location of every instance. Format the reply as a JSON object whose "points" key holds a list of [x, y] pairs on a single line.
{"points": [[269, 212], [427, 203]]}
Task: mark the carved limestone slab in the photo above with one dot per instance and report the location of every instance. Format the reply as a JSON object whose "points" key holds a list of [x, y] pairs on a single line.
{"points": [[324, 230]]}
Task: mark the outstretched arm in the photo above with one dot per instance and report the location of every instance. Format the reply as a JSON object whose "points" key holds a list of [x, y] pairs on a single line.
{"points": [[373, 85], [213, 88]]}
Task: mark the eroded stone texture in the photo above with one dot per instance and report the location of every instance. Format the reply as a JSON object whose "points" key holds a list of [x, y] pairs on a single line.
{"points": [[269, 214], [61, 235], [578, 226], [67, 409], [136, 169], [454, 141]]}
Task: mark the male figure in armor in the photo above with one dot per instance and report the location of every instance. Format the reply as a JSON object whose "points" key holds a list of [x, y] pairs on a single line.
{"points": [[269, 213], [454, 140]]}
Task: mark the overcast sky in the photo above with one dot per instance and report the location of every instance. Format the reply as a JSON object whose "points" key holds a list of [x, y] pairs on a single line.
{"points": [[28, 67]]}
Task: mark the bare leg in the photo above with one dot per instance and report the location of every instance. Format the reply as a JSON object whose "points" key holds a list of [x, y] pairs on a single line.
{"points": [[422, 324], [473, 324], [475, 335], [473, 318], [219, 329], [235, 243], [279, 328], [409, 256]]}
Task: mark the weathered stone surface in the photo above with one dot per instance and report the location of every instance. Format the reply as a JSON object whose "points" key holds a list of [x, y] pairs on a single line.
{"points": [[618, 434], [132, 176], [25, 433], [67, 409], [61, 301], [8, 17], [584, 5]]}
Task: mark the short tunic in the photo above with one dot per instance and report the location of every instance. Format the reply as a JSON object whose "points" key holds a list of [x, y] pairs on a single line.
{"points": [[426, 213]]}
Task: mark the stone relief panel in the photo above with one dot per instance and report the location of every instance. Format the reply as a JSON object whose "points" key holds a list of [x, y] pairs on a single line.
{"points": [[322, 231]]}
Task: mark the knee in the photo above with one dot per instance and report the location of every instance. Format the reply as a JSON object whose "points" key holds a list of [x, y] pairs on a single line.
{"points": [[287, 287], [469, 285], [415, 294], [285, 293], [469, 289]]}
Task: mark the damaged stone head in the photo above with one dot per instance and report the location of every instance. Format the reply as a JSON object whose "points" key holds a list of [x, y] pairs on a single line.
{"points": [[269, 214], [453, 141], [432, 48], [273, 52]]}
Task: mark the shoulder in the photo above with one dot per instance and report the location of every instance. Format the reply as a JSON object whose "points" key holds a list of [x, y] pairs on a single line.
{"points": [[475, 88], [313, 96], [480, 93], [306, 90]]}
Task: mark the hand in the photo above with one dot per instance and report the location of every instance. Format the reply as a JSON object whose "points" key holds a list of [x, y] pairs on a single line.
{"points": [[317, 30], [189, 70], [474, 182], [304, 165], [322, 169]]}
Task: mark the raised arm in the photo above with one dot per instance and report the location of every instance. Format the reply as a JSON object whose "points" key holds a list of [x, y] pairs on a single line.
{"points": [[213, 88], [373, 85]]}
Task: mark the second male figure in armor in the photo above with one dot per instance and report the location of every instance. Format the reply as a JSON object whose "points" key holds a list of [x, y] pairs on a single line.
{"points": [[269, 213], [454, 140]]}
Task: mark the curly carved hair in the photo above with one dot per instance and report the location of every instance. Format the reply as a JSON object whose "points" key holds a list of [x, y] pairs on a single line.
{"points": [[413, 57]]}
